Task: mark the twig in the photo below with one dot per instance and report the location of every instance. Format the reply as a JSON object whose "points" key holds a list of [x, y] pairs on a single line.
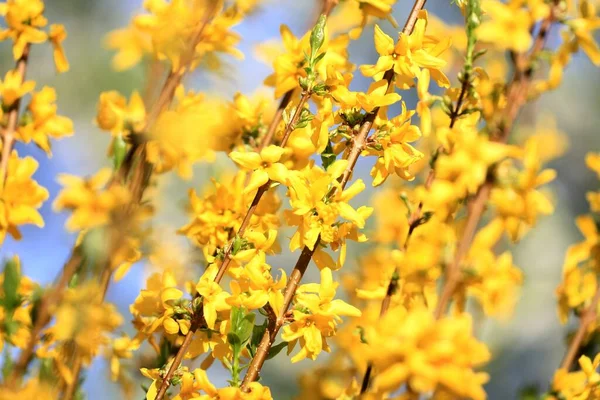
{"points": [[227, 256], [301, 265], [516, 97], [8, 137], [328, 6], [413, 223], [198, 319], [587, 318], [48, 302]]}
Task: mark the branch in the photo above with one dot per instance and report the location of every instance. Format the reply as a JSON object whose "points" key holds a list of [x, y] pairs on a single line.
{"points": [[587, 318], [44, 315], [8, 137], [198, 319], [328, 6], [516, 98], [358, 146]]}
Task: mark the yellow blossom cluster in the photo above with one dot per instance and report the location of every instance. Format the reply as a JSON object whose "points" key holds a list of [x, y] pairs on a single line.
{"points": [[451, 185]]}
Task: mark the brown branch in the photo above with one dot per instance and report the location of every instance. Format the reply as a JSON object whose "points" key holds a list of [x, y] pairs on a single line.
{"points": [[516, 98], [227, 256], [263, 189], [413, 223], [8, 136], [328, 6], [71, 389], [587, 318], [44, 315], [358, 146]]}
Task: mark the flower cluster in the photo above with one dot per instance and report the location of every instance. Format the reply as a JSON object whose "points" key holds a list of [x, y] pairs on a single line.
{"points": [[453, 188]]}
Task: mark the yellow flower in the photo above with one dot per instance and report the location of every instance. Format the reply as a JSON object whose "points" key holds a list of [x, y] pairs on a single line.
{"points": [[583, 27], [221, 211], [118, 117], [579, 270], [131, 44], [265, 166], [315, 212], [85, 320], [20, 197], [45, 123], [13, 87], [214, 298], [154, 308], [121, 348], [57, 35], [508, 26], [517, 200], [289, 64], [91, 205], [416, 349], [392, 149], [579, 385], [409, 56], [316, 315], [592, 160], [23, 19]]}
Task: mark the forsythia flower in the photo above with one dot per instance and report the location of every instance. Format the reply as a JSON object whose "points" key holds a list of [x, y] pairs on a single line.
{"points": [[154, 308], [392, 148], [316, 315], [578, 385], [508, 27], [213, 296], [20, 196], [580, 269], [195, 382], [426, 354], [13, 87], [265, 166], [45, 122], [118, 117], [221, 211], [91, 205], [411, 54], [289, 66], [517, 200], [24, 18], [315, 211]]}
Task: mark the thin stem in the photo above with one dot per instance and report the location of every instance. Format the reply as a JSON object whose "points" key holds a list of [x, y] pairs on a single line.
{"points": [[8, 136], [516, 98], [586, 319], [302, 264], [71, 389], [48, 302], [227, 256], [328, 6]]}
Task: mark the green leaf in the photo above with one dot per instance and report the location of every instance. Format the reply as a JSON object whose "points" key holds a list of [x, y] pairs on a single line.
{"points": [[274, 350], [242, 324], [318, 58], [317, 37], [328, 157], [119, 149], [46, 373], [12, 278], [257, 334]]}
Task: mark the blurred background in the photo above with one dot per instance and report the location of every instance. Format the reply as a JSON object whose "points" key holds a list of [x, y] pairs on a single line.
{"points": [[526, 349]]}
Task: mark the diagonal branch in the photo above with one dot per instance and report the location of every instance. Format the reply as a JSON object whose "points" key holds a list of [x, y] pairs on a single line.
{"points": [[516, 98], [358, 146]]}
